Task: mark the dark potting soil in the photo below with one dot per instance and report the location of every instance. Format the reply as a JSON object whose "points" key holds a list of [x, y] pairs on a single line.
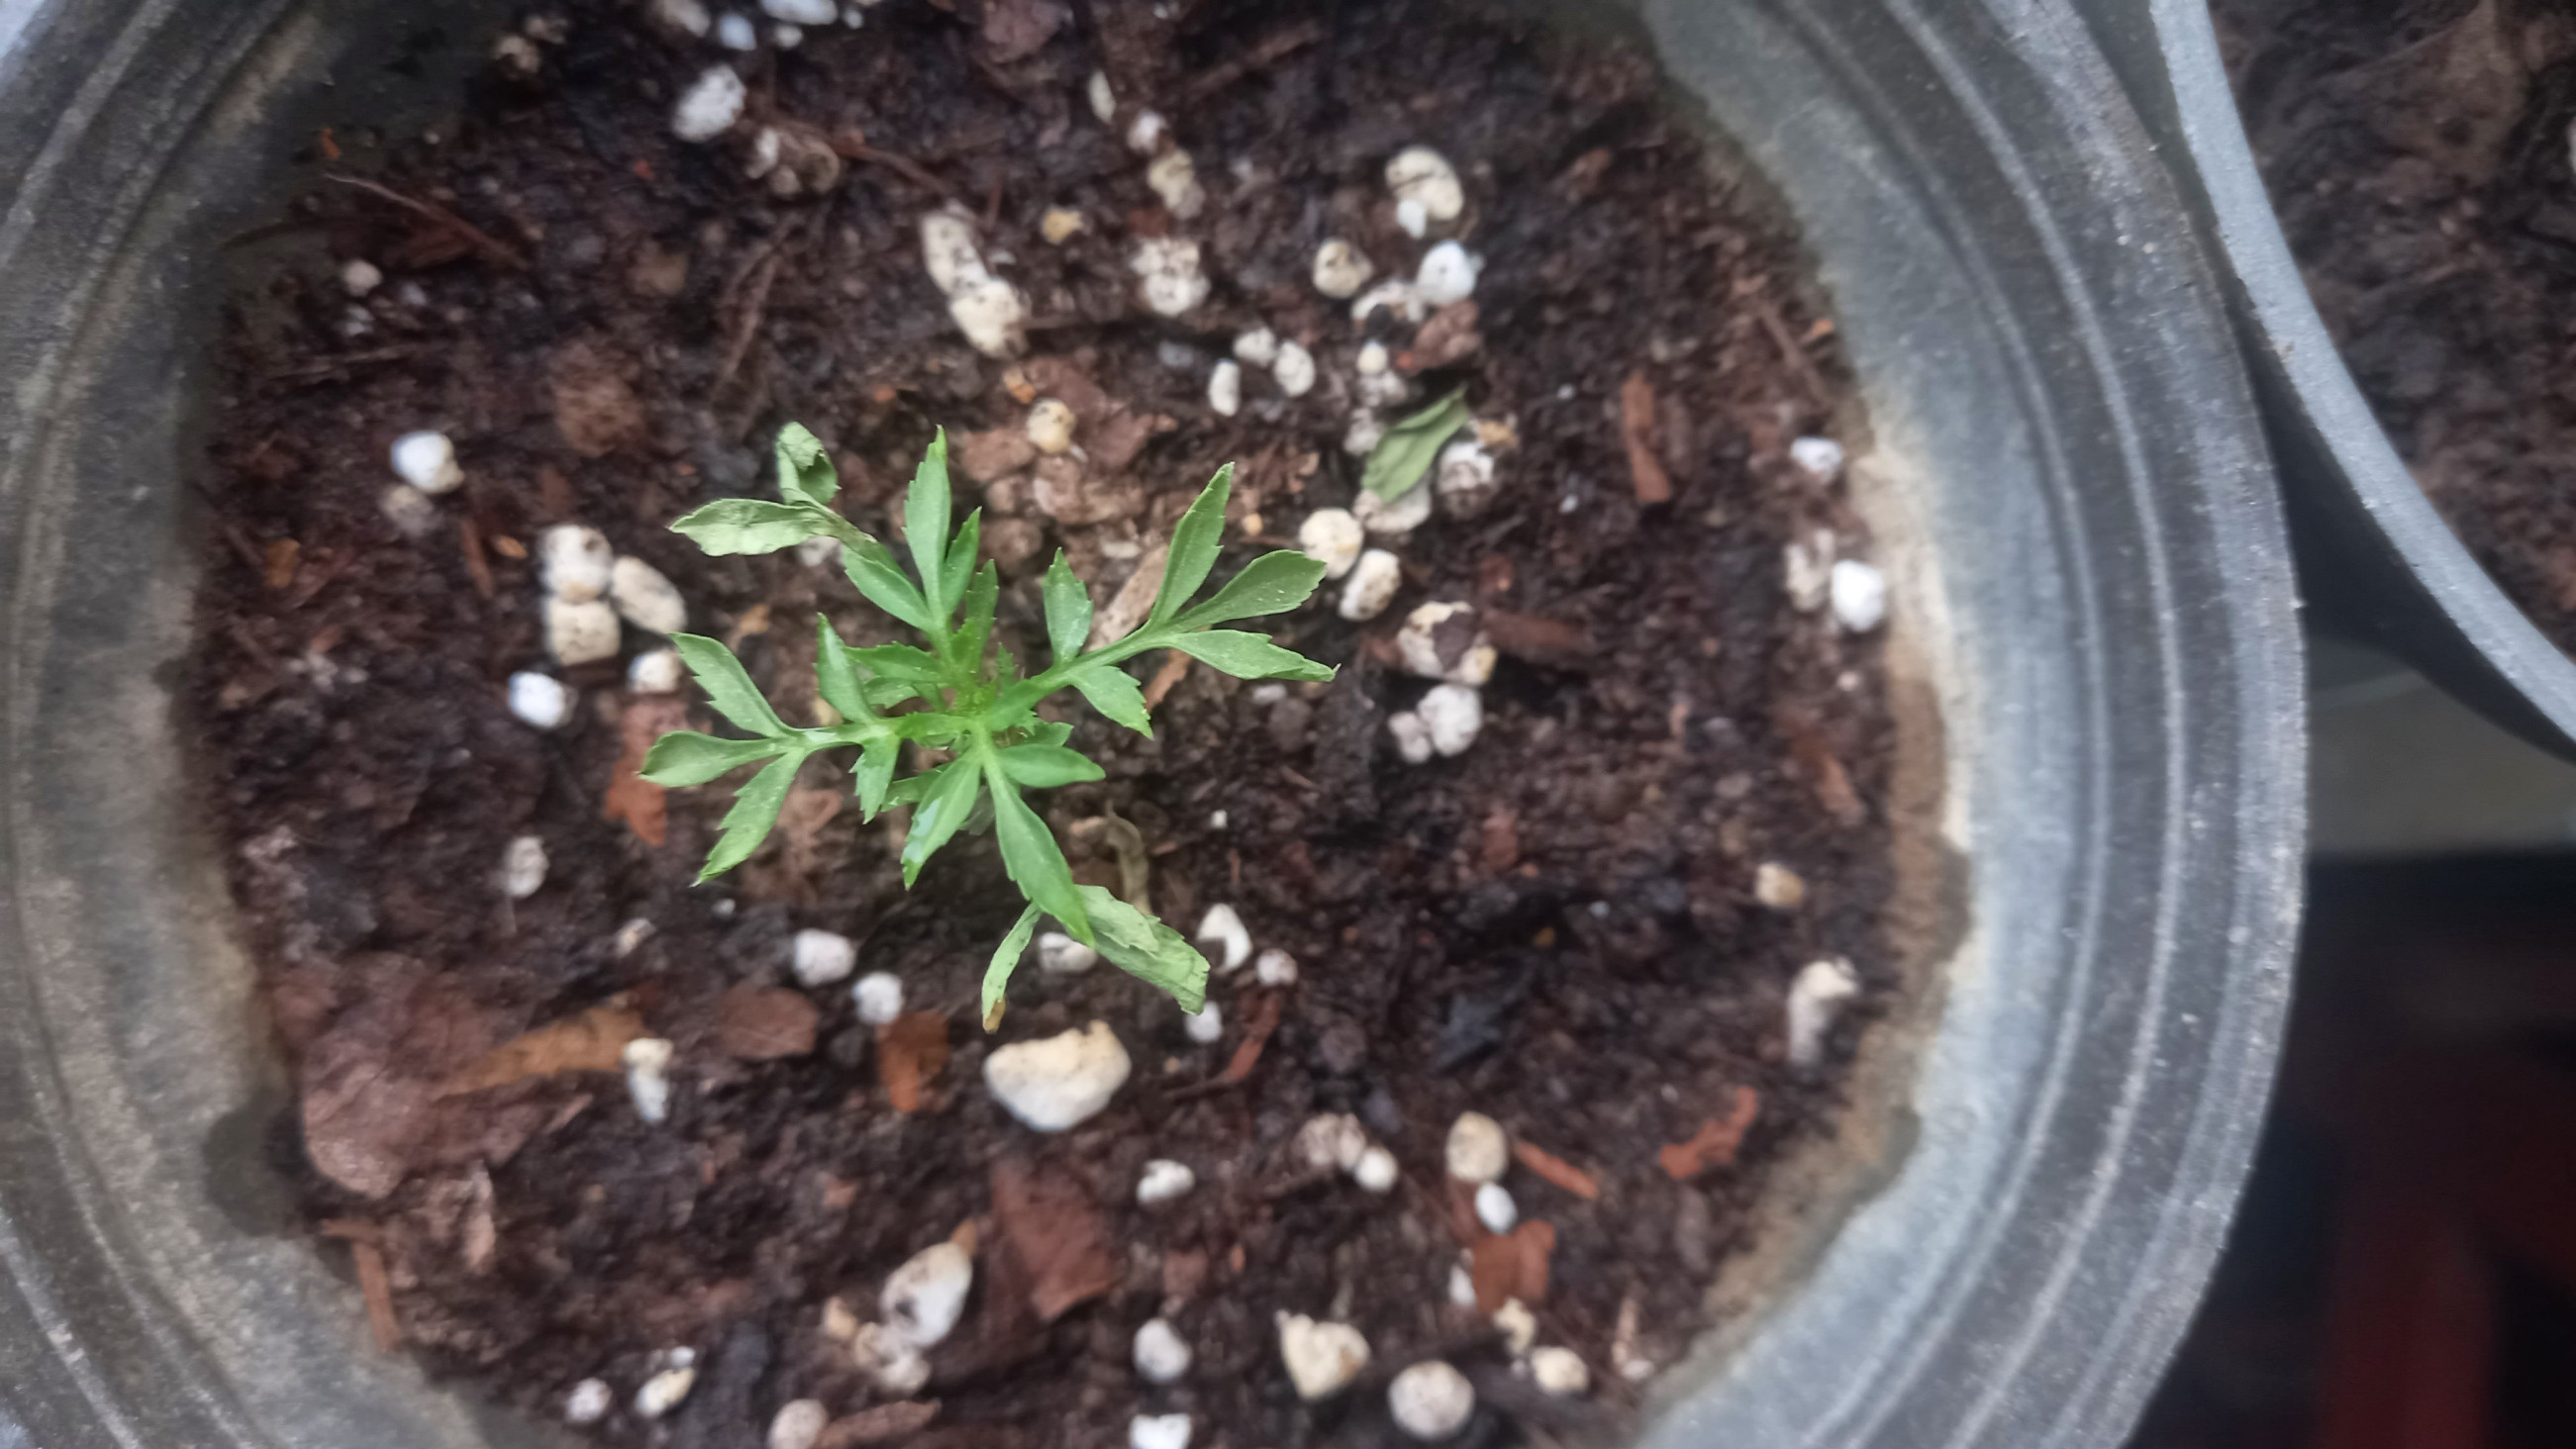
{"points": [[2419, 155], [1557, 928]]}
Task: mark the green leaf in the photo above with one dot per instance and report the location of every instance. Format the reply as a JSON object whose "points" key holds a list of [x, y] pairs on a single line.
{"points": [[957, 569], [1402, 456], [875, 774], [1248, 656], [887, 693], [975, 621], [900, 661], [1196, 541], [728, 688], [755, 809], [1045, 766], [876, 575], [804, 469], [748, 525], [1049, 732], [1271, 584], [1144, 947], [925, 527], [834, 676], [1035, 861], [940, 816], [683, 758], [1116, 697], [1068, 610], [1006, 959], [913, 789]]}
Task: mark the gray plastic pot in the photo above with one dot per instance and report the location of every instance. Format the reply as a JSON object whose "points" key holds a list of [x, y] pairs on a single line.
{"points": [[2096, 646], [2375, 560]]}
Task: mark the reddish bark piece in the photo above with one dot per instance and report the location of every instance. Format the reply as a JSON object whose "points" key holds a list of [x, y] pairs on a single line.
{"points": [[631, 798], [1175, 665], [1714, 1144], [1447, 338], [367, 1255], [879, 1425], [995, 452], [591, 1041], [1258, 1024], [911, 1049], [1637, 431], [1511, 1265], [765, 1023], [1557, 1170], [277, 562], [1050, 1225], [1541, 641]]}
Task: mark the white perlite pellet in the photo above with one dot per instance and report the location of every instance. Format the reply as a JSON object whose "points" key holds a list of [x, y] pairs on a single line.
{"points": [[1396, 517], [1495, 1208], [663, 1391], [648, 1080], [1451, 715], [1331, 1142], [580, 633], [1164, 1180], [1222, 931], [802, 12], [992, 314], [1225, 388], [523, 867], [925, 1297], [820, 958], [1819, 458], [878, 997], [798, 1424], [1341, 269], [1375, 1171], [1159, 1431], [427, 461], [1412, 217], [408, 510], [1372, 585], [589, 1401], [1145, 133], [1412, 737], [1061, 955], [1807, 569], [575, 562], [1418, 643], [1275, 967], [1817, 995], [1256, 348], [1333, 538], [891, 1361], [1059, 1081], [655, 671], [630, 937], [1169, 275], [1447, 274], [736, 32], [1424, 177], [1477, 1150], [1206, 1026], [1464, 479], [1560, 1372], [1174, 178], [711, 104], [1104, 101], [1859, 594], [360, 276], [1519, 1326], [1776, 887], [1293, 369], [1395, 294], [1161, 1354], [1050, 425], [684, 15], [540, 699], [1322, 1357], [1431, 1401], [646, 599]]}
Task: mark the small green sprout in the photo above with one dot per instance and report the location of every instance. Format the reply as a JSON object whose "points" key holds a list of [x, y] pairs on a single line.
{"points": [[960, 697], [1410, 444]]}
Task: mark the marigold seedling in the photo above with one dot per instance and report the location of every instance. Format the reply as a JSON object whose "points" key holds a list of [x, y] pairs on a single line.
{"points": [[967, 697]]}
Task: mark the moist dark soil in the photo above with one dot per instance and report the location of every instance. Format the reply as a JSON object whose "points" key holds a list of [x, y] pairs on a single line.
{"points": [[2418, 152], [1557, 928]]}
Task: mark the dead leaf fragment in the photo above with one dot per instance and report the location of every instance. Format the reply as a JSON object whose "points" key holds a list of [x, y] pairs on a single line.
{"points": [[878, 1425], [1052, 1228], [1512, 1265], [995, 453], [1258, 1024], [765, 1023], [640, 803], [277, 562], [1448, 337], [1716, 1141], [1637, 431], [592, 1041], [1175, 665], [1556, 1170], [911, 1050], [595, 409]]}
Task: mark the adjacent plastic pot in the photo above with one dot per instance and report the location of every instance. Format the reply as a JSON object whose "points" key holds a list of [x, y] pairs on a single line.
{"points": [[2375, 559], [2094, 604]]}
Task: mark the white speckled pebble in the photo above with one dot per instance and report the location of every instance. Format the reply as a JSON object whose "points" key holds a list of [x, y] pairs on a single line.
{"points": [[1059, 1081]]}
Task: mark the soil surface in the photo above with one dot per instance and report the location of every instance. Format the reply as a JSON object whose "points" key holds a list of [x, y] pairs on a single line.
{"points": [[2420, 157], [1558, 928]]}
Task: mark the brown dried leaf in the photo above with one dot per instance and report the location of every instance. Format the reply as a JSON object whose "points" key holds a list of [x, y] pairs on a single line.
{"points": [[1551, 642], [595, 409], [377, 1289], [878, 1425], [995, 453], [765, 1023], [592, 1041], [1637, 433], [800, 829], [1175, 665], [1114, 441], [640, 803], [911, 1050], [1556, 1170], [1051, 1226], [1715, 1143], [1512, 1265], [1258, 1024], [1447, 338]]}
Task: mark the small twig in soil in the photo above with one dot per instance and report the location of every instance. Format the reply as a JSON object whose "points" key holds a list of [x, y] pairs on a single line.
{"points": [[1175, 665], [851, 148], [747, 318], [469, 542], [1790, 352], [369, 1259], [482, 241], [1268, 53], [312, 371], [1258, 1024]]}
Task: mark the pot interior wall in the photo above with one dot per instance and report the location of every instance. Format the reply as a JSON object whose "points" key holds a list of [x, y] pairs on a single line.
{"points": [[2096, 641]]}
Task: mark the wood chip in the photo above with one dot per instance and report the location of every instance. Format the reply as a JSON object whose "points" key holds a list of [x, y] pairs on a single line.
{"points": [[1557, 1170], [1053, 1229], [878, 1425], [1258, 1024], [1539, 640], [1716, 1141], [277, 563], [1176, 665], [592, 1041], [469, 543], [641, 804], [1637, 431], [376, 1287], [765, 1023], [1512, 1265], [911, 1050]]}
